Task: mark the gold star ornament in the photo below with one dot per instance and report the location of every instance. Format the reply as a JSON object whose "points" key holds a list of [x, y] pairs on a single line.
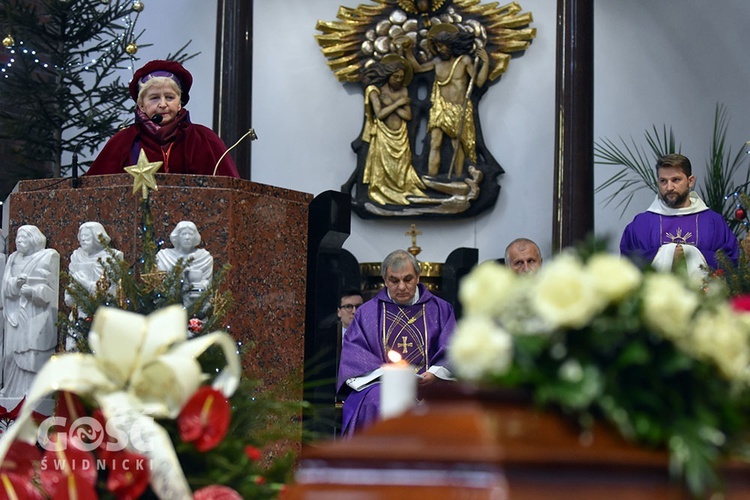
{"points": [[143, 174]]}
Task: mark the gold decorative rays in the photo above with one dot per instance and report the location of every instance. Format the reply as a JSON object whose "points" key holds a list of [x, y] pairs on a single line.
{"points": [[370, 32]]}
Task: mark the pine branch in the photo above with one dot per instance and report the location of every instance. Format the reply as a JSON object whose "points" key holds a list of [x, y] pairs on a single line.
{"points": [[721, 169]]}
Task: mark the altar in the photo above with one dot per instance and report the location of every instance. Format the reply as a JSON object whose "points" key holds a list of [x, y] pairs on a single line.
{"points": [[260, 230]]}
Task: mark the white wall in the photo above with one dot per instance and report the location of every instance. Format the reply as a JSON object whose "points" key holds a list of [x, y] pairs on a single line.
{"points": [[168, 25], [666, 62]]}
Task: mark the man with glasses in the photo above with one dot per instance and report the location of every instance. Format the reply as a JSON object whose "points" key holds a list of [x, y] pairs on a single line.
{"points": [[349, 301]]}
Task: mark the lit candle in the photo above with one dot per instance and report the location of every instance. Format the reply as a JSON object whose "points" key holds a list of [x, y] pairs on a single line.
{"points": [[398, 387]]}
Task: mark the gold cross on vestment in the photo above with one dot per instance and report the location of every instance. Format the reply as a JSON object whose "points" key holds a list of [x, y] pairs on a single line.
{"points": [[405, 345]]}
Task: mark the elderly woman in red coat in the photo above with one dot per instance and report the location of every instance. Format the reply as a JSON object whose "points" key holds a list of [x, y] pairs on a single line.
{"points": [[163, 128]]}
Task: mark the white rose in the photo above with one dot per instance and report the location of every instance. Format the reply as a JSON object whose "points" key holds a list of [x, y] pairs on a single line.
{"points": [[564, 295], [614, 277], [668, 305], [715, 287], [722, 337], [518, 315], [479, 348], [744, 318], [486, 288]]}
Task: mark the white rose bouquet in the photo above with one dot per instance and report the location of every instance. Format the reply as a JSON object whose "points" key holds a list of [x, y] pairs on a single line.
{"points": [[662, 361]]}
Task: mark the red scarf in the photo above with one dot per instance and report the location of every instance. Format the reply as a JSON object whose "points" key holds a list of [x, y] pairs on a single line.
{"points": [[163, 134]]}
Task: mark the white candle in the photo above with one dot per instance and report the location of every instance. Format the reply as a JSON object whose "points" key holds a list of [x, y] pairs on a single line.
{"points": [[398, 388]]}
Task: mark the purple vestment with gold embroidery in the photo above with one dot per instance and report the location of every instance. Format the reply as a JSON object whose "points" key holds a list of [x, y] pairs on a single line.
{"points": [[419, 333], [706, 230]]}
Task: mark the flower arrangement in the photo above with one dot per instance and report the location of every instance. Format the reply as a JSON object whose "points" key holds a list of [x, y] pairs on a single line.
{"points": [[139, 417], [664, 361]]}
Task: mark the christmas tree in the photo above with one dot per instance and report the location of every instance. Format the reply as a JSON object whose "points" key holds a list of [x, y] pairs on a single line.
{"points": [[65, 69]]}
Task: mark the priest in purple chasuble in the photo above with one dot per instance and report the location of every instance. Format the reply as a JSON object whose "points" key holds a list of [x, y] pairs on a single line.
{"points": [[404, 317], [678, 225]]}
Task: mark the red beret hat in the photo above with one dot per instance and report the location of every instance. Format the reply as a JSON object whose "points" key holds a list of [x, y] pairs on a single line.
{"points": [[170, 69]]}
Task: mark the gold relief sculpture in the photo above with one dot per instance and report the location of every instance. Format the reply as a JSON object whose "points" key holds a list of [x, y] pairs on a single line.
{"points": [[451, 111], [405, 166], [389, 174], [457, 199], [420, 6]]}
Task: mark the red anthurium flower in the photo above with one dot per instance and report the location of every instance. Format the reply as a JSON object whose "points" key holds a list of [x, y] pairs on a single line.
{"points": [[741, 303], [216, 492], [70, 407], [204, 420], [68, 473], [128, 474], [15, 486], [252, 452], [38, 418], [21, 459], [18, 467], [106, 439]]}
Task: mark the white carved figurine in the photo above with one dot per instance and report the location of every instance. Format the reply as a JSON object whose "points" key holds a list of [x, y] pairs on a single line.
{"points": [[198, 262], [30, 291], [87, 265]]}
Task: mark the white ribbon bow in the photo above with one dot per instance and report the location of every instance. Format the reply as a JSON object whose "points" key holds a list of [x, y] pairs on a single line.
{"points": [[142, 367], [697, 267]]}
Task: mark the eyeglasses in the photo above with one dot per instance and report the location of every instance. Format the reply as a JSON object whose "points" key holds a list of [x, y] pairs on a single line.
{"points": [[349, 307]]}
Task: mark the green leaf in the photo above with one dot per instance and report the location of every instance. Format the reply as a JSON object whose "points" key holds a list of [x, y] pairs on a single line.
{"points": [[638, 164], [634, 353]]}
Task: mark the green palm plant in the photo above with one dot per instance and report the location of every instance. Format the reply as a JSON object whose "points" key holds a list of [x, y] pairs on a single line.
{"points": [[636, 161], [722, 169]]}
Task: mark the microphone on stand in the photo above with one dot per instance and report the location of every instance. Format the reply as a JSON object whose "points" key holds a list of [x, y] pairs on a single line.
{"points": [[157, 118], [253, 136], [74, 167]]}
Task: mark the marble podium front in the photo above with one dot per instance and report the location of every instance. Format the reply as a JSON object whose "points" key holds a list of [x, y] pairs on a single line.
{"points": [[260, 230]]}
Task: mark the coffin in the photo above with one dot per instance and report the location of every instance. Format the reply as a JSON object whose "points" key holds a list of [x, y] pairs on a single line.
{"points": [[473, 444]]}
